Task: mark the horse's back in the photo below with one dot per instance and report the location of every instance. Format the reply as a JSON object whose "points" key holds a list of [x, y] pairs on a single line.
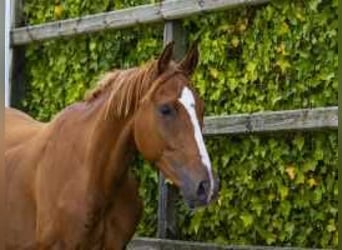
{"points": [[19, 127]]}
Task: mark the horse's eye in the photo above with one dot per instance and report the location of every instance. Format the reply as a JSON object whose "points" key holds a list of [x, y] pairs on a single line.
{"points": [[165, 109]]}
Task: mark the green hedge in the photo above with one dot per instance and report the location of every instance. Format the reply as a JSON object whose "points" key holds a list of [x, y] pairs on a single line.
{"points": [[277, 189]]}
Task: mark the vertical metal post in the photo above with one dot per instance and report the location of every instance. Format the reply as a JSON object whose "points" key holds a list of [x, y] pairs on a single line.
{"points": [[8, 52], [168, 194], [16, 58]]}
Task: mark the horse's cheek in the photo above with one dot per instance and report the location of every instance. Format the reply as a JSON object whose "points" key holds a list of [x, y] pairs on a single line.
{"points": [[147, 140]]}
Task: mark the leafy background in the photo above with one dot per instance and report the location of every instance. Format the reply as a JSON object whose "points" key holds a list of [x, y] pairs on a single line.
{"points": [[277, 189]]}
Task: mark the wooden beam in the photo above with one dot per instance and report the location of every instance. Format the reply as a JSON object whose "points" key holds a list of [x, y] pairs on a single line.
{"points": [[163, 244], [272, 121], [163, 11]]}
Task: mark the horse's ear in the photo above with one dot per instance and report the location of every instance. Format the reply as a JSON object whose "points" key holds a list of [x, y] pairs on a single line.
{"points": [[189, 62], [165, 57]]}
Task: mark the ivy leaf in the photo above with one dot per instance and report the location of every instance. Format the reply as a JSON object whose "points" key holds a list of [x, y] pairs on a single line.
{"points": [[196, 221], [312, 182], [299, 142], [317, 196], [213, 72], [251, 66], [235, 42], [283, 64], [247, 219], [300, 178], [283, 191], [291, 172], [285, 208], [319, 154], [309, 165]]}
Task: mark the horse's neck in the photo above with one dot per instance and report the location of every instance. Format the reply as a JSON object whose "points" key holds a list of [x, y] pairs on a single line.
{"points": [[110, 147]]}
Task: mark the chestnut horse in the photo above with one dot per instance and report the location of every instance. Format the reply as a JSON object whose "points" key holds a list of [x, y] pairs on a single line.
{"points": [[68, 182]]}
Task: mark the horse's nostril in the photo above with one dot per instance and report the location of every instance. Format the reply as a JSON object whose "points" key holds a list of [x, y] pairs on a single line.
{"points": [[202, 191]]}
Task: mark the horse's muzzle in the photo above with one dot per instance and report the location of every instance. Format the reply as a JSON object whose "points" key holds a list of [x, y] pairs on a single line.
{"points": [[196, 193]]}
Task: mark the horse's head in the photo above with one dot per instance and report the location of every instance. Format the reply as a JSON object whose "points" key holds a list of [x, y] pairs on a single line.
{"points": [[168, 129]]}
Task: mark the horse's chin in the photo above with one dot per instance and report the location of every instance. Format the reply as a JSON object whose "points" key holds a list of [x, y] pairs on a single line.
{"points": [[195, 204]]}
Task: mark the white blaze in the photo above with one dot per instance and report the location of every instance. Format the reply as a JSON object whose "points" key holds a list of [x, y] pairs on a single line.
{"points": [[188, 101]]}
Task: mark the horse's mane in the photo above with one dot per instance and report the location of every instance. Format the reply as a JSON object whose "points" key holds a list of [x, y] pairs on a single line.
{"points": [[125, 88]]}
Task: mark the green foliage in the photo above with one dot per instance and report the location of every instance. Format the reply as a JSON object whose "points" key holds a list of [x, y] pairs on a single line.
{"points": [[272, 192], [279, 189]]}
